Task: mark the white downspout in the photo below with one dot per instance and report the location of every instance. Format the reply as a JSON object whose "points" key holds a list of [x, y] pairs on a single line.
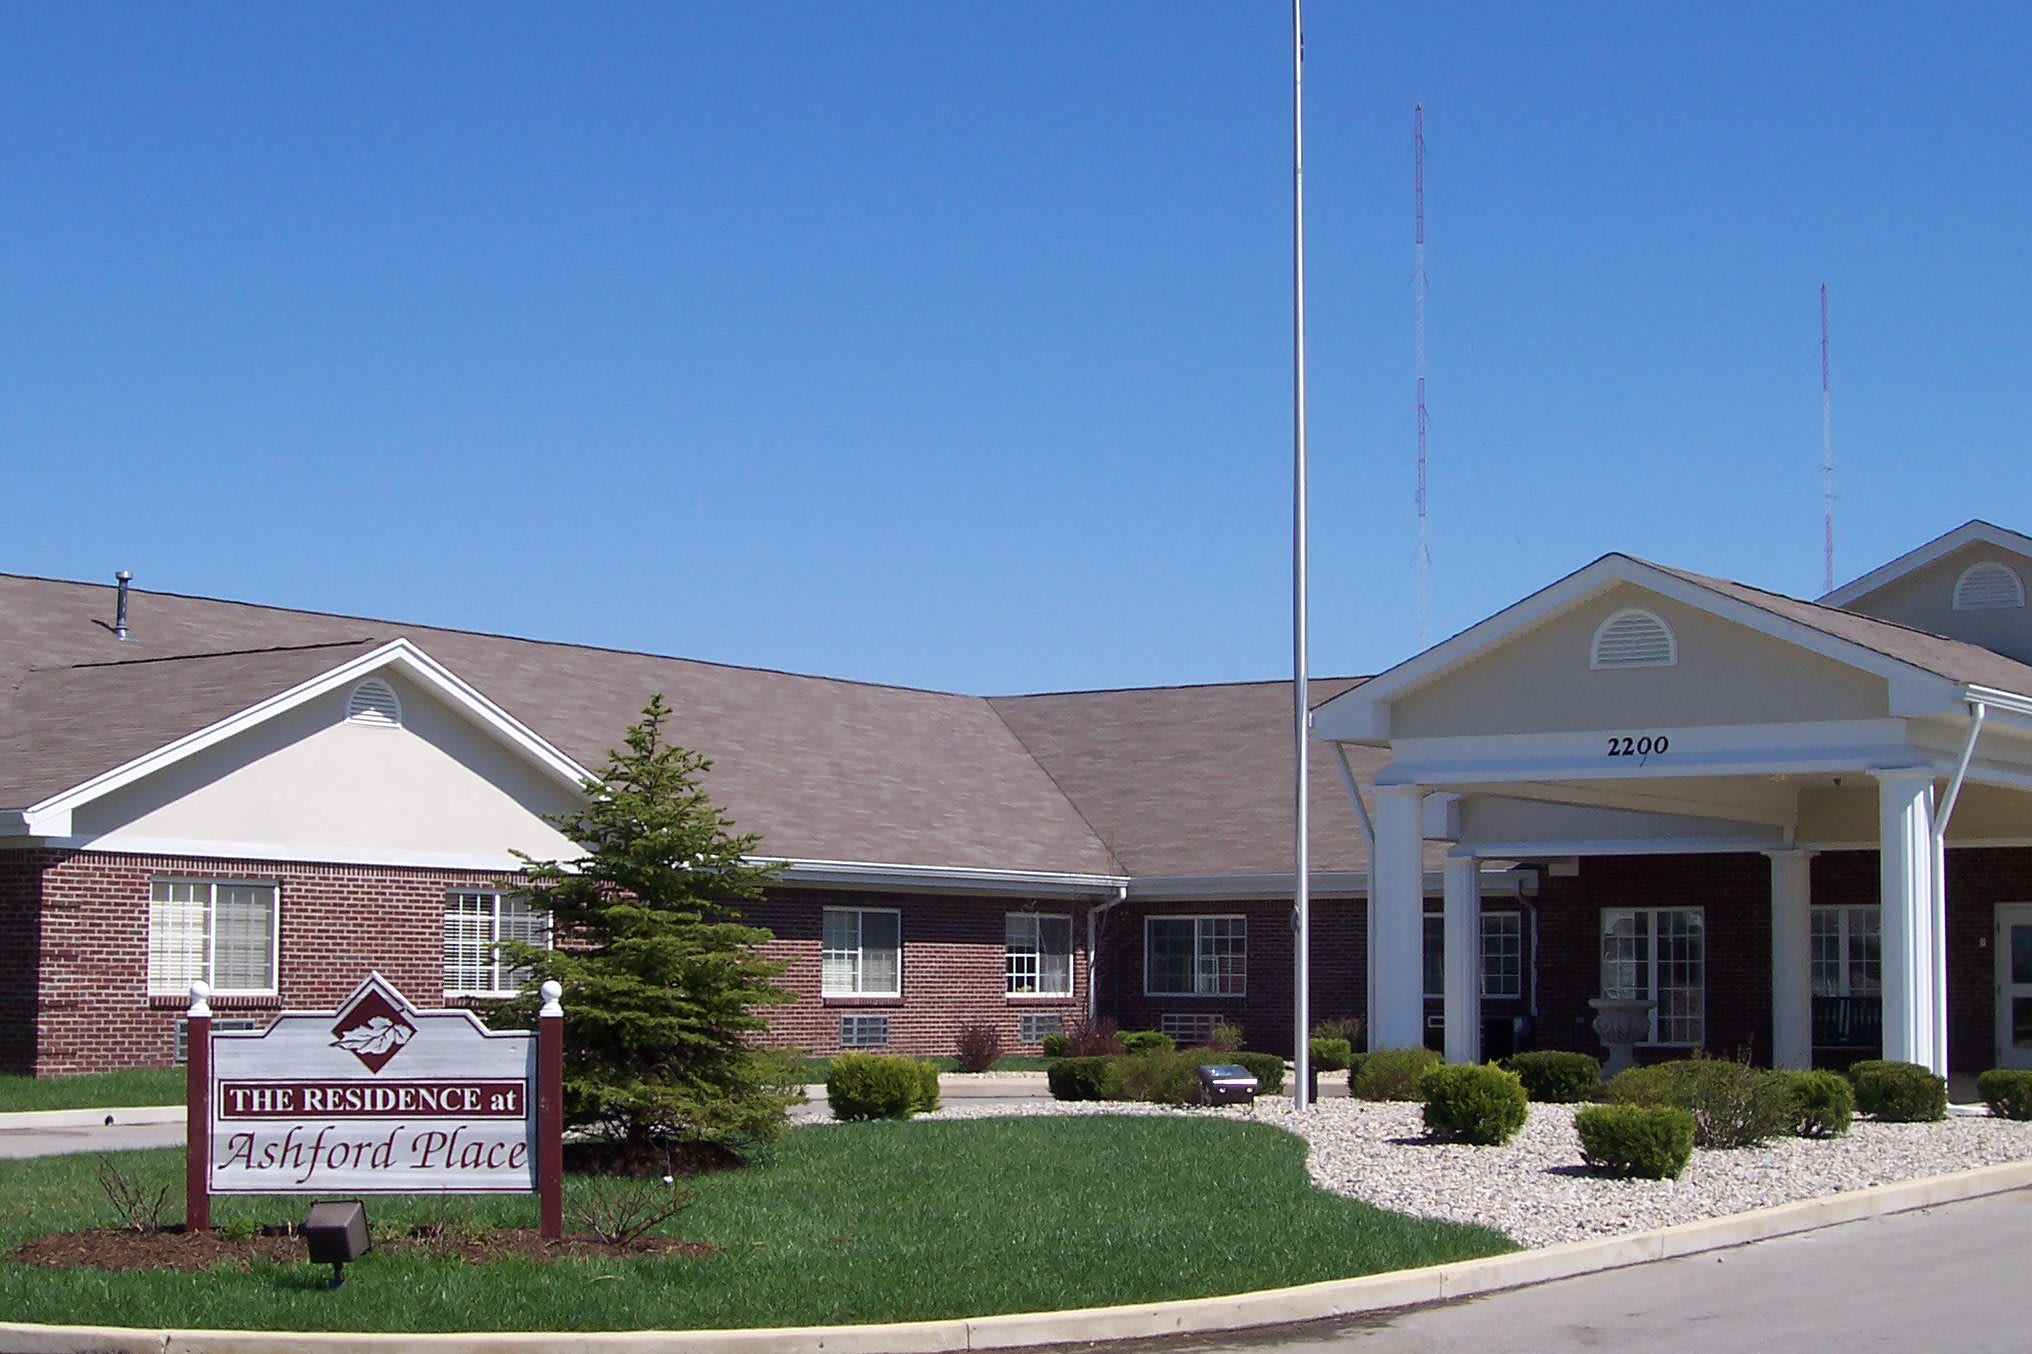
{"points": [[1939, 900], [1093, 952]]}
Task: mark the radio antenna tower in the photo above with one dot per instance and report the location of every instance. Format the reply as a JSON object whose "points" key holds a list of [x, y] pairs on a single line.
{"points": [[1418, 202], [1826, 453]]}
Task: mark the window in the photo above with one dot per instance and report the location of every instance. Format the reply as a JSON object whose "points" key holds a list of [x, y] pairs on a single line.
{"points": [[1502, 955], [1032, 1026], [1633, 638], [220, 933], [1039, 960], [180, 1054], [861, 952], [373, 702], [1660, 953], [473, 923], [1848, 952], [864, 1031], [1195, 956], [1989, 586]]}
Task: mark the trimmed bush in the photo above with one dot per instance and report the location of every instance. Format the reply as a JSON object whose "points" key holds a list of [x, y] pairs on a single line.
{"points": [[1823, 1104], [1355, 1062], [1350, 1028], [1898, 1093], [1732, 1103], [1554, 1078], [1146, 1041], [1393, 1073], [1329, 1055], [979, 1045], [1077, 1078], [2007, 1091], [1154, 1078], [1649, 1142], [1223, 1039], [1055, 1045], [880, 1086], [1469, 1103], [1267, 1068]]}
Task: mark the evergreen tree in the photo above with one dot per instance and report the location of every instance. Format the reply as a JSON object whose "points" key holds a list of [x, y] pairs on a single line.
{"points": [[662, 980]]}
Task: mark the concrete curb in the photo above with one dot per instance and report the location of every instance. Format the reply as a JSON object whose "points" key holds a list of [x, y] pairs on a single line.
{"points": [[132, 1116], [1271, 1307]]}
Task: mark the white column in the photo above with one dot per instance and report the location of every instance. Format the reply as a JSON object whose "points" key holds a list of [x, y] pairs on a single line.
{"points": [[1397, 920], [1905, 838], [1791, 958], [1463, 960], [1936, 907]]}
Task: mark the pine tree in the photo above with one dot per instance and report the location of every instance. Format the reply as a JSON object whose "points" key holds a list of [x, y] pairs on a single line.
{"points": [[662, 979]]}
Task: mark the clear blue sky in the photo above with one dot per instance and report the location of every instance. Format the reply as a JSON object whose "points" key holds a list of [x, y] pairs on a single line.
{"points": [[949, 344]]}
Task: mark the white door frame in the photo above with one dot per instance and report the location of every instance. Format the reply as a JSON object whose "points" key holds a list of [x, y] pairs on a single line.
{"points": [[2009, 915]]}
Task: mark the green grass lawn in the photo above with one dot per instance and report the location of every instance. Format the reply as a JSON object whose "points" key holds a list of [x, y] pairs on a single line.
{"points": [[837, 1224], [93, 1090]]}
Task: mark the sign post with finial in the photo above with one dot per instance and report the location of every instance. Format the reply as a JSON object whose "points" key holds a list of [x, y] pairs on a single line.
{"points": [[197, 1100], [550, 1113]]}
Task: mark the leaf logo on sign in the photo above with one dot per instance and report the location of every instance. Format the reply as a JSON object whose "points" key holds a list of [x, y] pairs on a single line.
{"points": [[373, 1030]]}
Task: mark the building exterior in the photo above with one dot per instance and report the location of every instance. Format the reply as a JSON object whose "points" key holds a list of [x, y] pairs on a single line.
{"points": [[1637, 781]]}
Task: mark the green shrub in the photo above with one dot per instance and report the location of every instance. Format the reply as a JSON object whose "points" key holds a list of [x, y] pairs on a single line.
{"points": [[1898, 1093], [1077, 1078], [1393, 1073], [1556, 1078], [1350, 1028], [880, 1086], [1056, 1045], [1733, 1104], [1651, 1142], [1469, 1103], [1329, 1055], [1154, 1078], [1223, 1039], [1146, 1041], [1823, 1104], [1356, 1061], [2007, 1091], [1267, 1068]]}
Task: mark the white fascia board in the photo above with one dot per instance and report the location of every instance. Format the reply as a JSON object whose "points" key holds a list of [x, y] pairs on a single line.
{"points": [[1940, 547], [1634, 846], [1360, 714], [1701, 750], [287, 853], [51, 817], [860, 874], [1496, 883]]}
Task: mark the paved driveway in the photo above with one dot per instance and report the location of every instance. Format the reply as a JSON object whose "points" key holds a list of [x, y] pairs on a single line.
{"points": [[1951, 1278]]}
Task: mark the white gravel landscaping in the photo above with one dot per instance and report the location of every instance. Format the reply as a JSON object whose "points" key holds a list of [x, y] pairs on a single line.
{"points": [[1536, 1189]]}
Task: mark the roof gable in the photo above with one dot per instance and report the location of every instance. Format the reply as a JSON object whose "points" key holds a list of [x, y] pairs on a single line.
{"points": [[1976, 532]]}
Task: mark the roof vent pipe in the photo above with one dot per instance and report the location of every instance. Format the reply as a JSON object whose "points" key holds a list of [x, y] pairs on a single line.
{"points": [[120, 607]]}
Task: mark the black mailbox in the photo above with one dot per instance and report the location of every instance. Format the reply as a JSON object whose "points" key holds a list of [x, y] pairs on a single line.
{"points": [[1226, 1084]]}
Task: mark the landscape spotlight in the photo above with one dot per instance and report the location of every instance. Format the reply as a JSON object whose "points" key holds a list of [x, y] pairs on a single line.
{"points": [[336, 1232]]}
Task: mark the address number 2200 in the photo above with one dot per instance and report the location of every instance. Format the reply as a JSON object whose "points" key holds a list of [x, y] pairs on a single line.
{"points": [[1650, 745]]}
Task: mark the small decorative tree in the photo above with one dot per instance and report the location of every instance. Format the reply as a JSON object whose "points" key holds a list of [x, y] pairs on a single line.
{"points": [[662, 979]]}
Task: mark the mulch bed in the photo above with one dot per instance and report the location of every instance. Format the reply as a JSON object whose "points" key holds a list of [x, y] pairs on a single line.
{"points": [[175, 1249]]}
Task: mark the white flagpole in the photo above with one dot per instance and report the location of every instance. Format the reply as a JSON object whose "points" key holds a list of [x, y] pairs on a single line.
{"points": [[1301, 919]]}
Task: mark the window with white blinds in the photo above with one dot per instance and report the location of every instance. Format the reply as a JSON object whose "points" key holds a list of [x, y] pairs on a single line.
{"points": [[474, 923], [221, 933], [861, 952]]}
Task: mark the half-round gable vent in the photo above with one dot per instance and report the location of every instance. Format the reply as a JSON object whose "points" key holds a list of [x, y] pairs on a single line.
{"points": [[1989, 586], [373, 702], [1634, 639]]}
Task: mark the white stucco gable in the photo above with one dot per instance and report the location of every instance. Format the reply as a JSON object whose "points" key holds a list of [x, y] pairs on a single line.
{"points": [[441, 777]]}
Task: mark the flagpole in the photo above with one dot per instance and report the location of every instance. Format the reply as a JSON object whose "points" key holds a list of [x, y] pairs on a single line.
{"points": [[1301, 920]]}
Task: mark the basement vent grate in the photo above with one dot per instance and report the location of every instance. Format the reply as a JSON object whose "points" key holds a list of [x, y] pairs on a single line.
{"points": [[864, 1031], [1634, 639]]}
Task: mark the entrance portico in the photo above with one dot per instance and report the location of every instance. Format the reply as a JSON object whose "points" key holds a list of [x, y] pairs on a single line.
{"points": [[1633, 711]]}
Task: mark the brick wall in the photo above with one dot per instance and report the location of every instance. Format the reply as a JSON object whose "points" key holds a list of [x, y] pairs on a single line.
{"points": [[83, 922]]}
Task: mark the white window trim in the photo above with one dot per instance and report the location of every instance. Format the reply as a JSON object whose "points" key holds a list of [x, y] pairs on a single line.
{"points": [[274, 887], [494, 959], [1651, 975], [1196, 918], [1071, 958], [1671, 658], [860, 948]]}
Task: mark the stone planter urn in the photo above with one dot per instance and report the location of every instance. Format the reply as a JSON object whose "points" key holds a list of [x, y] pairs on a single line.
{"points": [[1621, 1023]]}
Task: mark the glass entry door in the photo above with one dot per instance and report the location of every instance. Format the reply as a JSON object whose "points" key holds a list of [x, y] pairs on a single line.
{"points": [[2014, 985]]}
